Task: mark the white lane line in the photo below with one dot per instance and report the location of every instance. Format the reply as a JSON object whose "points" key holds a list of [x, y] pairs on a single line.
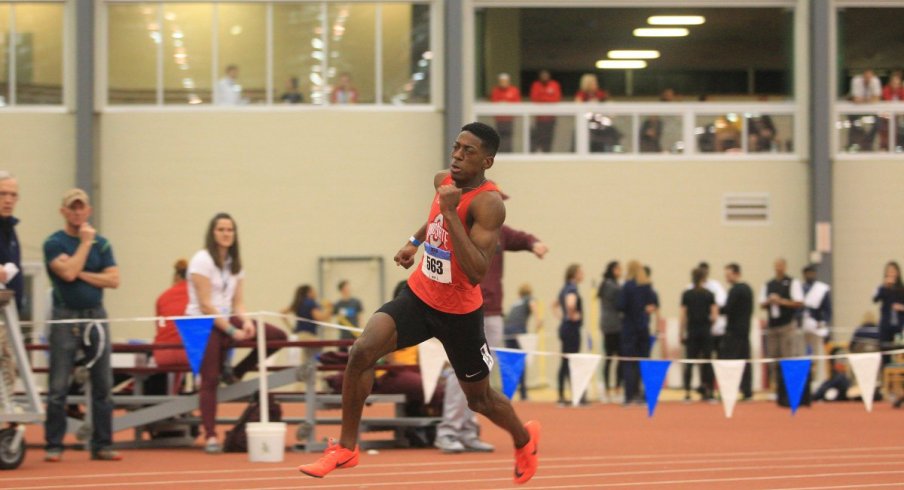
{"points": [[587, 485], [371, 476], [725, 458], [859, 485]]}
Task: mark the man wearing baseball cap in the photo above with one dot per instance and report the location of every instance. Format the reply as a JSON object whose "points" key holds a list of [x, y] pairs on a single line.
{"points": [[80, 265]]}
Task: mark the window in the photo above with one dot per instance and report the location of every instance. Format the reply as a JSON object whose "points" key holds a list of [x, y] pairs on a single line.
{"points": [[871, 93], [259, 53], [31, 61]]}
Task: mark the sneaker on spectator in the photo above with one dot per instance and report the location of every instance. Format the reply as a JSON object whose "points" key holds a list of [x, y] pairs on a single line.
{"points": [[212, 446], [53, 455], [475, 445], [106, 455], [449, 444]]}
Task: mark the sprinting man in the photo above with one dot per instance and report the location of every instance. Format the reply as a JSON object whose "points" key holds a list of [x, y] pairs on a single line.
{"points": [[442, 299]]}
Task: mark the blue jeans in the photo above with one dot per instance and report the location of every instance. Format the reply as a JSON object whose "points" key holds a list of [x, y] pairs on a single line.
{"points": [[66, 340]]}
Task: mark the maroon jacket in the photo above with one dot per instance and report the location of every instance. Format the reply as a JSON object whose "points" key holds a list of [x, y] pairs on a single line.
{"points": [[511, 240]]}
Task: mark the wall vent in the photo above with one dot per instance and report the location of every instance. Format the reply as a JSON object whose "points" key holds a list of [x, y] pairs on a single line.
{"points": [[746, 209]]}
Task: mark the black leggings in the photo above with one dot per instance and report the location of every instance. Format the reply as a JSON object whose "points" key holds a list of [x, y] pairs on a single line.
{"points": [[612, 343], [571, 343], [699, 348]]}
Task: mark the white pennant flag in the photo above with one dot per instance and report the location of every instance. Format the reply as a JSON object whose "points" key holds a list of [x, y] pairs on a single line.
{"points": [[866, 370], [581, 367], [528, 343], [431, 356], [728, 375]]}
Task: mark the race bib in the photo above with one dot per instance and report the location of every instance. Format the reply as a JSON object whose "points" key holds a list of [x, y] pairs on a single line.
{"points": [[437, 264]]}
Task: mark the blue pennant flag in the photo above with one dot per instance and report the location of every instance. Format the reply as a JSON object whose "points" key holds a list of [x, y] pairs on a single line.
{"points": [[653, 375], [511, 367], [194, 332], [795, 372]]}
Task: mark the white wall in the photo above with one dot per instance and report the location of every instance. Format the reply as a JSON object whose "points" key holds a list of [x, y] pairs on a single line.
{"points": [[868, 232], [667, 215], [300, 184], [40, 150]]}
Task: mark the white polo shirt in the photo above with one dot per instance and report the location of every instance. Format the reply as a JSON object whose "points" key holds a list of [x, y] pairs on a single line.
{"points": [[222, 283]]}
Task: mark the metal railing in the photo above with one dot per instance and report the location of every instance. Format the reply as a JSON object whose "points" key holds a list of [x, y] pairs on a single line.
{"points": [[648, 129]]}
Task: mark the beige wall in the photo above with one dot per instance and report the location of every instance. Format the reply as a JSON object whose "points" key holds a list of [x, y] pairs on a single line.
{"points": [[502, 50], [40, 150], [868, 232], [300, 185], [667, 215]]}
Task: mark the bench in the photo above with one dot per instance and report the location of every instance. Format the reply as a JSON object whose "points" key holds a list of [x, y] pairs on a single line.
{"points": [[148, 413]]}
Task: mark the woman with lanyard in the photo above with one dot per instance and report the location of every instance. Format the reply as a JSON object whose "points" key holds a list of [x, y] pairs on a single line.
{"points": [[216, 288]]}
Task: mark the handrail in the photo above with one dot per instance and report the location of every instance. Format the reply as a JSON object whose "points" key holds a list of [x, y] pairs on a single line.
{"points": [[688, 140]]}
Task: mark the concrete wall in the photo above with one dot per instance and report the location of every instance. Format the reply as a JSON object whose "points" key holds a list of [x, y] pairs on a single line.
{"points": [[300, 185], [868, 232]]}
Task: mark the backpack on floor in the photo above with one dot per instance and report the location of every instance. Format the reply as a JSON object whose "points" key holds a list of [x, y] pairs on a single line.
{"points": [[237, 439]]}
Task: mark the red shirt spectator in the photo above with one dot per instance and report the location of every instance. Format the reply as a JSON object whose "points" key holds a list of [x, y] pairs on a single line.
{"points": [[505, 92], [548, 91], [509, 240], [171, 303], [894, 90], [599, 95]]}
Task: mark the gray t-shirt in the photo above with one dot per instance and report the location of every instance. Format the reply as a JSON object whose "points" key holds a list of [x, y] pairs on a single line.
{"points": [[611, 319]]}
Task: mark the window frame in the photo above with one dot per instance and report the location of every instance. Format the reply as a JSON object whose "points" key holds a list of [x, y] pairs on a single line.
{"points": [[800, 74], [67, 56], [103, 104], [841, 108]]}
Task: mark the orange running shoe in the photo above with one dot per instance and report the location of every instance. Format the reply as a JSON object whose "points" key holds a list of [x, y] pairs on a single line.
{"points": [[335, 457], [526, 460]]}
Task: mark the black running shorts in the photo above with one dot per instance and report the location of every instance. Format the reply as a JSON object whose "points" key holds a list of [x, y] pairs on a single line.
{"points": [[461, 335]]}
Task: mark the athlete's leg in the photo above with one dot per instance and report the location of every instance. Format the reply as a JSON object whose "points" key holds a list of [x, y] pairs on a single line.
{"points": [[378, 339], [492, 405]]}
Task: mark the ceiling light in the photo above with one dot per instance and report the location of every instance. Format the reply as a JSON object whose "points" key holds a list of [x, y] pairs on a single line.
{"points": [[661, 32], [676, 20], [633, 54], [621, 64]]}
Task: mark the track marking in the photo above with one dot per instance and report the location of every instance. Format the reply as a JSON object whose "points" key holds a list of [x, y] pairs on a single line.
{"points": [[455, 471], [472, 462], [861, 485]]}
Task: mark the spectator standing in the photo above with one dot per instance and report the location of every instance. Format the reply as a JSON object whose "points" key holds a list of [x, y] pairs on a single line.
{"points": [[292, 95], [781, 297], [637, 302], [505, 92], [589, 90], [305, 308], [651, 129], [890, 295], [348, 310], [216, 287], [698, 313], [738, 310], [714, 286], [893, 91], [572, 310], [459, 430], [816, 317], [865, 89], [227, 90], [10, 265], [610, 323], [544, 90], [80, 264], [344, 92], [10, 251], [516, 324]]}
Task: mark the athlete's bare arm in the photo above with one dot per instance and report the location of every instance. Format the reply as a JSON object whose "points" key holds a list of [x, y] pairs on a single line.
{"points": [[474, 250], [405, 256]]}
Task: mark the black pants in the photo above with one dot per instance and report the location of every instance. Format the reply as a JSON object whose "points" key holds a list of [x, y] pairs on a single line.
{"points": [[738, 347], [612, 346], [699, 348], [571, 343], [506, 129], [634, 344]]}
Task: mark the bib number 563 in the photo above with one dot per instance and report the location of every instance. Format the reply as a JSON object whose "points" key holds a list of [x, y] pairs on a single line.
{"points": [[433, 265]]}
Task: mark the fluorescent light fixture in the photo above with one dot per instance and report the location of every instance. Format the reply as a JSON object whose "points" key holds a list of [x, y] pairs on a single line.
{"points": [[676, 20], [621, 64], [661, 32], [633, 54]]}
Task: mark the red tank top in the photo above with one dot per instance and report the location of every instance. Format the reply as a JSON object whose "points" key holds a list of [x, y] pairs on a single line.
{"points": [[439, 280]]}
